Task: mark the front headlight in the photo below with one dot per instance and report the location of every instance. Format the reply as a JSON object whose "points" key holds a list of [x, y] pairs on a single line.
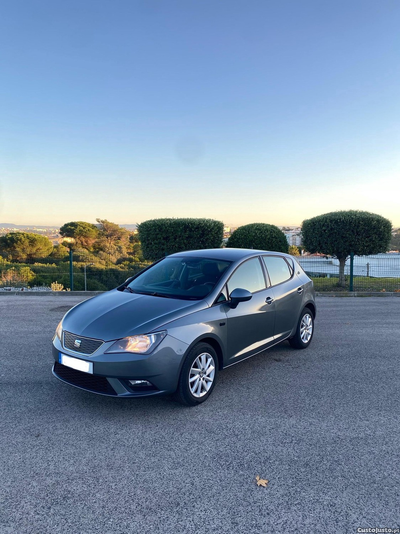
{"points": [[138, 344], [59, 330]]}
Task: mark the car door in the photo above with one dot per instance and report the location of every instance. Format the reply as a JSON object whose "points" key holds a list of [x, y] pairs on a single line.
{"points": [[250, 324], [288, 294]]}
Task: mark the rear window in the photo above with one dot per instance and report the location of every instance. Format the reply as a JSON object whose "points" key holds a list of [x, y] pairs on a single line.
{"points": [[278, 270]]}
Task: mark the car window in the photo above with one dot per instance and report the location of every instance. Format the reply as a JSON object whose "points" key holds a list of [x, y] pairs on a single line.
{"points": [[278, 269], [298, 267], [223, 297], [248, 276], [291, 265], [180, 277]]}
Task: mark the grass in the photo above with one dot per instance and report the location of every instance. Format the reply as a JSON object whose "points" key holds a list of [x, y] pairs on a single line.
{"points": [[360, 283]]}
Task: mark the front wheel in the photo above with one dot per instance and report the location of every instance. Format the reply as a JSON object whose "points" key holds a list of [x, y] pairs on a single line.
{"points": [[304, 331], [198, 375]]}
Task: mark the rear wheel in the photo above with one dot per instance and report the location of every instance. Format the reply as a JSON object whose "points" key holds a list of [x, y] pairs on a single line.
{"points": [[198, 375], [304, 331]]}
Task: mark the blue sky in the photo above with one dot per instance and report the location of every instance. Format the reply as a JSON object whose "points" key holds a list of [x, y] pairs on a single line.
{"points": [[242, 111]]}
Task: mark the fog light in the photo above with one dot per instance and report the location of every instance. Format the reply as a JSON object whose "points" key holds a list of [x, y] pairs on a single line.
{"points": [[139, 383]]}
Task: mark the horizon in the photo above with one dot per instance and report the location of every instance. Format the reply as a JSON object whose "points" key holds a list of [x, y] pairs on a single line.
{"points": [[144, 110], [10, 225]]}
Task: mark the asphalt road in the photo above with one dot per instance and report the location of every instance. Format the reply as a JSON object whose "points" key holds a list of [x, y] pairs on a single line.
{"points": [[322, 425]]}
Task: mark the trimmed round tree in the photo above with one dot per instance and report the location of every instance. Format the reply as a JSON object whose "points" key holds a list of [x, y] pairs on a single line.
{"points": [[342, 233], [160, 237], [259, 236]]}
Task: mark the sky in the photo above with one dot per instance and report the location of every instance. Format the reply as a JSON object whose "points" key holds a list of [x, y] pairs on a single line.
{"points": [[237, 110]]}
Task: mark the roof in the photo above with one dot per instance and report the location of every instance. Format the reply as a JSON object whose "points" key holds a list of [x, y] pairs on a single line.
{"points": [[229, 254]]}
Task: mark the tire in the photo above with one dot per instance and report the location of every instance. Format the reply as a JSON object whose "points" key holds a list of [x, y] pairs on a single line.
{"points": [[198, 375], [304, 331]]}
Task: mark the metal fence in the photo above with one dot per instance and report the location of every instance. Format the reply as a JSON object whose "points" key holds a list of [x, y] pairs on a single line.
{"points": [[380, 272], [48, 277], [370, 273]]}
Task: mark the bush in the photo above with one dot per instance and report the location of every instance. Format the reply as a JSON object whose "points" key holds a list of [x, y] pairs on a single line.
{"points": [[160, 237], [56, 286], [16, 275], [259, 236]]}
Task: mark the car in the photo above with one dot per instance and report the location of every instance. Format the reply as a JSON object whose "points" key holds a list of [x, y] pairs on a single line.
{"points": [[171, 328]]}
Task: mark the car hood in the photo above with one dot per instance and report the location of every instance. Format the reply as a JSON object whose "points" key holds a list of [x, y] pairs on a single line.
{"points": [[118, 314]]}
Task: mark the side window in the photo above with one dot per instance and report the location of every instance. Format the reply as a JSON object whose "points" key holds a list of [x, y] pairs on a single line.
{"points": [[291, 266], [278, 269], [223, 297], [248, 276]]}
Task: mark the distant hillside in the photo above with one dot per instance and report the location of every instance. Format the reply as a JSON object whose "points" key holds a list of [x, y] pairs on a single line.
{"points": [[13, 226], [10, 225], [25, 226]]}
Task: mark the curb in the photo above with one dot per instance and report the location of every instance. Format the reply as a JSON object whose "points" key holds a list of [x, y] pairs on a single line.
{"points": [[50, 293], [342, 294], [357, 294]]}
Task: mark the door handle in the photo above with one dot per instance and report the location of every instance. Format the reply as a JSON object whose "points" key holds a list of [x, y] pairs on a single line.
{"points": [[269, 300], [300, 290]]}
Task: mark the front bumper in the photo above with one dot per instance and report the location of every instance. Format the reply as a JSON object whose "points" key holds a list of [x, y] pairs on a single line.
{"points": [[112, 372]]}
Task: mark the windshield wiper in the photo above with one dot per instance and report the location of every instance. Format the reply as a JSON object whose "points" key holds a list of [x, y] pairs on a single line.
{"points": [[176, 297], [155, 294], [127, 288]]}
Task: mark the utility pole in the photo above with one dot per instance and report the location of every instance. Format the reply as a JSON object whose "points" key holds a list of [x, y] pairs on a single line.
{"points": [[71, 269], [84, 270]]}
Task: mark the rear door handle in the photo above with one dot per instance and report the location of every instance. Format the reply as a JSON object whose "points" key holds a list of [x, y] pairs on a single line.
{"points": [[269, 300], [300, 290]]}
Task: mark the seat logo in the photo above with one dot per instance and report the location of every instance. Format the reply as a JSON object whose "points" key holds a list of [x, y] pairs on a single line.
{"points": [[77, 343]]}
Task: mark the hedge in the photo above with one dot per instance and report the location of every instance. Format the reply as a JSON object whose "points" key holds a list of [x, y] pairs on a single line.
{"points": [[259, 236], [160, 237]]}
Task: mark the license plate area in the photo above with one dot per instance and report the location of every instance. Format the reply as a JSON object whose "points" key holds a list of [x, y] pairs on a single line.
{"points": [[75, 363]]}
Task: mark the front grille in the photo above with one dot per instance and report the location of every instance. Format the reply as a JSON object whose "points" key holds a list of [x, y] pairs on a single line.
{"points": [[86, 345], [98, 384]]}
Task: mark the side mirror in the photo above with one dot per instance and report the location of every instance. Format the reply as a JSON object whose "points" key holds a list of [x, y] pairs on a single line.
{"points": [[238, 295]]}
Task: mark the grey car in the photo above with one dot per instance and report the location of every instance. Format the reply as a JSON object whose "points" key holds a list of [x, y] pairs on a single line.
{"points": [[172, 327]]}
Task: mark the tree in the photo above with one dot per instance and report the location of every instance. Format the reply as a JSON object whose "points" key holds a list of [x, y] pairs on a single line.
{"points": [[23, 246], [395, 241], [341, 233], [59, 252], [259, 236], [16, 276], [84, 233], [293, 250], [160, 237], [112, 239], [135, 247]]}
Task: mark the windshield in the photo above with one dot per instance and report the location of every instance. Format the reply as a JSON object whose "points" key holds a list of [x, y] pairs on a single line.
{"points": [[180, 278]]}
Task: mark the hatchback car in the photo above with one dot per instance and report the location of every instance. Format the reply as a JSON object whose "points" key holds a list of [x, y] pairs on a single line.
{"points": [[172, 327]]}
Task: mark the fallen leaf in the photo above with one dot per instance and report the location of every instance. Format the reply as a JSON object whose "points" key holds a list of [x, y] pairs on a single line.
{"points": [[261, 482]]}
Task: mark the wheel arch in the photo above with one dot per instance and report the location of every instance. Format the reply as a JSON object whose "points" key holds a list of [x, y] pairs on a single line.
{"points": [[214, 343], [312, 307]]}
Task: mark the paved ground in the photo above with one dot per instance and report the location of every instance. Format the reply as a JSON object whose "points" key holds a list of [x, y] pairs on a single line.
{"points": [[322, 425]]}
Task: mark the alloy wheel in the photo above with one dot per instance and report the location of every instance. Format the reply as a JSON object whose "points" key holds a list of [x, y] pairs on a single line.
{"points": [[201, 375], [306, 328]]}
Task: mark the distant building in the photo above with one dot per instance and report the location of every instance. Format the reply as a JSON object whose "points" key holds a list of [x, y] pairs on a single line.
{"points": [[227, 233], [293, 235]]}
